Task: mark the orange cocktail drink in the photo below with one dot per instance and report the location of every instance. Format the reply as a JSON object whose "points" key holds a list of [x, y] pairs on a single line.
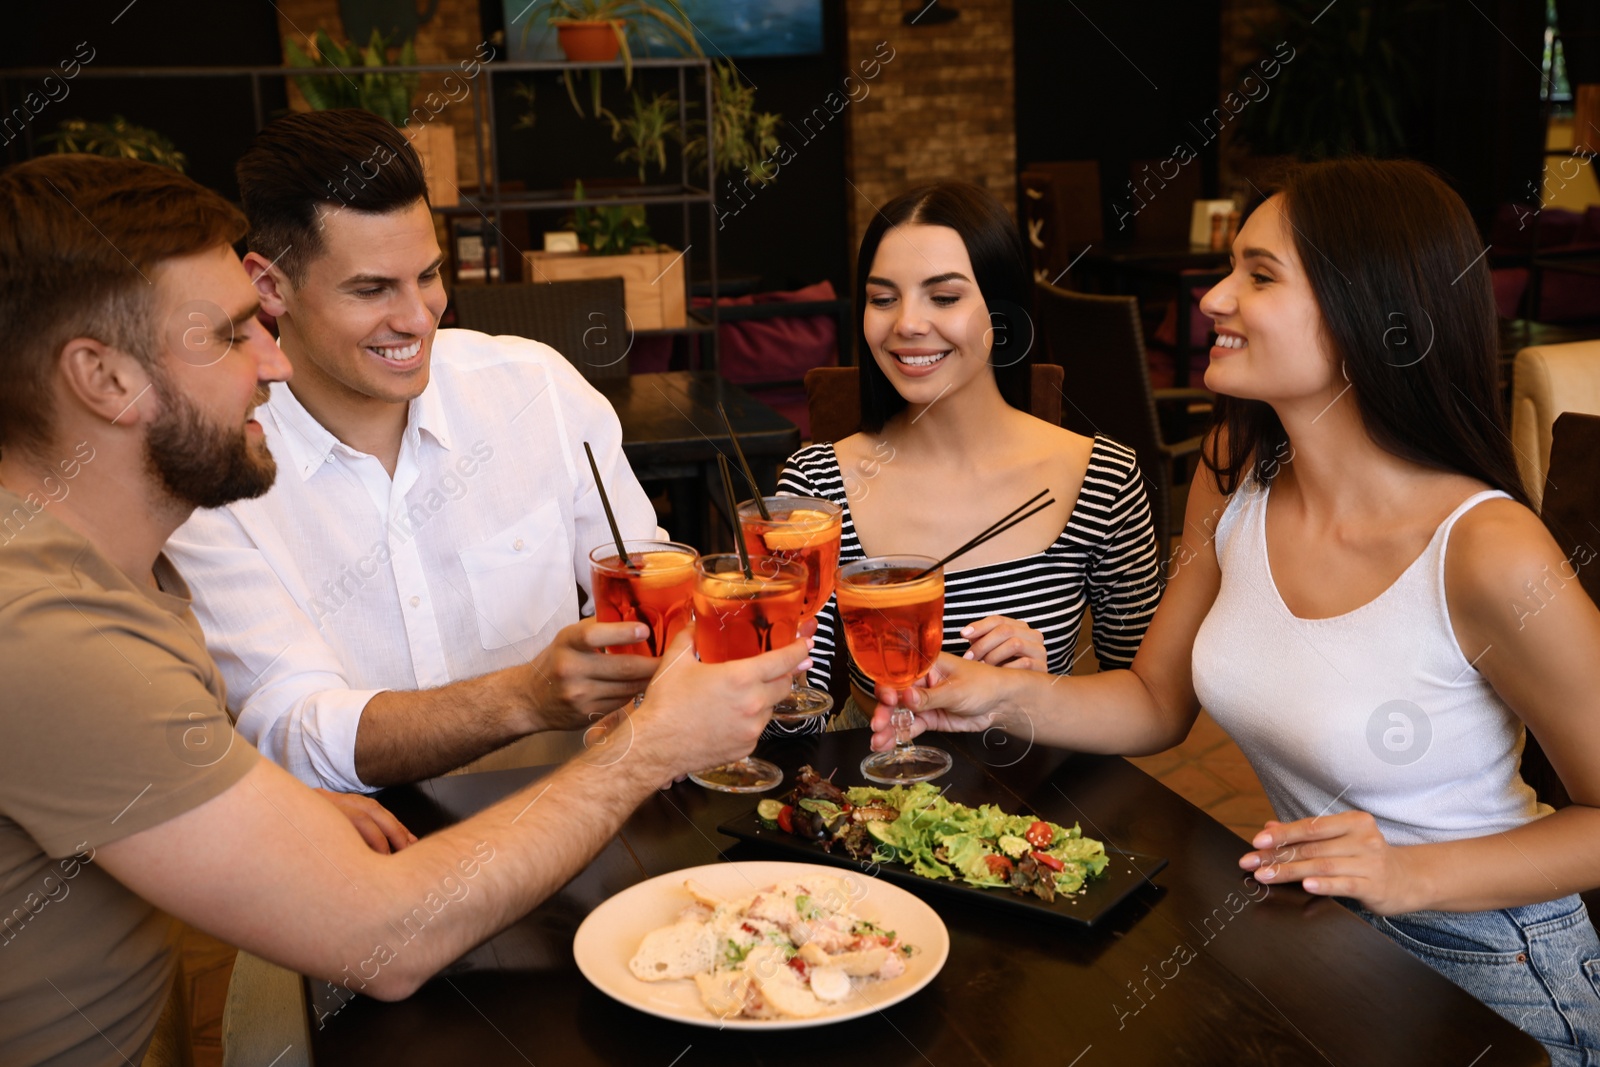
{"points": [[737, 617], [893, 613], [799, 528], [893, 622], [654, 585], [805, 530]]}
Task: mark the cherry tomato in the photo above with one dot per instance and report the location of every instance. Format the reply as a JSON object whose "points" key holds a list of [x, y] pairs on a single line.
{"points": [[999, 865], [786, 818], [1048, 861], [1040, 835]]}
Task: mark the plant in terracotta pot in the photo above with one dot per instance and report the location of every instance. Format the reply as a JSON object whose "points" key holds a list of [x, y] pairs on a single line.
{"points": [[596, 31]]}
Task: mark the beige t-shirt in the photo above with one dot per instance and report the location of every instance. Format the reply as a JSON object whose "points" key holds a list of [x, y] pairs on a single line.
{"points": [[111, 722]]}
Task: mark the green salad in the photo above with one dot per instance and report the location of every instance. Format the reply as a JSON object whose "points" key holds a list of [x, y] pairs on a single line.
{"points": [[937, 838]]}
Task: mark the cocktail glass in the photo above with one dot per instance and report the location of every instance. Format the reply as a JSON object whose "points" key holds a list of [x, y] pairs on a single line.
{"points": [[806, 529], [654, 585], [735, 618], [894, 626]]}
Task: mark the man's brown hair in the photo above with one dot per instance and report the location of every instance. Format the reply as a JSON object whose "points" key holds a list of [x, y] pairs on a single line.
{"points": [[79, 236]]}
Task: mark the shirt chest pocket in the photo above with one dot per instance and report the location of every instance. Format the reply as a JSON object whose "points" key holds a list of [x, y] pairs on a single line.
{"points": [[520, 577]]}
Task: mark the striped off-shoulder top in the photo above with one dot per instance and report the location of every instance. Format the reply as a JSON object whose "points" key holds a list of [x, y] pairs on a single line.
{"points": [[1105, 560]]}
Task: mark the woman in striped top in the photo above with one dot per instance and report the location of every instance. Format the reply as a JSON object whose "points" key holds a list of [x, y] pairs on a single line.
{"points": [[947, 445]]}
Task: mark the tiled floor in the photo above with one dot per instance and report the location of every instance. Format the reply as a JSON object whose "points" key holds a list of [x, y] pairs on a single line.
{"points": [[1210, 772]]}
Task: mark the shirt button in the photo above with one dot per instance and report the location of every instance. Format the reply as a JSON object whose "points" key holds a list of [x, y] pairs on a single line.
{"points": [[328, 458], [516, 546], [415, 601]]}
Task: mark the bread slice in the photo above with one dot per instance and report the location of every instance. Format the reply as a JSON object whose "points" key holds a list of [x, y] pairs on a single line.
{"points": [[723, 993], [781, 988], [677, 951]]}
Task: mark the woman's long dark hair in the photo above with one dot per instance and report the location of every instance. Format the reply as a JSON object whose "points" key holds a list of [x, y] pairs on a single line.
{"points": [[1001, 268], [1396, 266]]}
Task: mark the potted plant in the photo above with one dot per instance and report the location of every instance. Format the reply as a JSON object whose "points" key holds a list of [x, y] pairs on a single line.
{"points": [[596, 31], [616, 243], [745, 139], [1346, 88], [118, 138], [386, 94], [646, 129]]}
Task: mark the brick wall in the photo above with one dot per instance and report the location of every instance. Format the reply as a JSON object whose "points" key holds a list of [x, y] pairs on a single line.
{"points": [[451, 36], [941, 108]]}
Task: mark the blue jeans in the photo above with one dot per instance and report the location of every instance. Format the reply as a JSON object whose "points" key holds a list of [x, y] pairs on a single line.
{"points": [[1537, 966]]}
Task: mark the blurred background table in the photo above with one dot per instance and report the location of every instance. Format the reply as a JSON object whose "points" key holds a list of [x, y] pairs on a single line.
{"points": [[671, 434]]}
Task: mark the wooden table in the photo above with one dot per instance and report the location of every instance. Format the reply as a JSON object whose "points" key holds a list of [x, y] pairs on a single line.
{"points": [[671, 432], [1180, 973]]}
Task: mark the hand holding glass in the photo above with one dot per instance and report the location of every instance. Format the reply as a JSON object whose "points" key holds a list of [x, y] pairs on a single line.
{"points": [[735, 618], [805, 530], [894, 626]]}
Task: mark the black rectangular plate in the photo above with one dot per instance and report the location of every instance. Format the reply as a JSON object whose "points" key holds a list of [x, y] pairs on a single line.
{"points": [[1126, 873]]}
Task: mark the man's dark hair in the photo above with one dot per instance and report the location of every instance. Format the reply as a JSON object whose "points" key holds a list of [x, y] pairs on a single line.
{"points": [[1396, 267], [79, 236], [1001, 267], [328, 160]]}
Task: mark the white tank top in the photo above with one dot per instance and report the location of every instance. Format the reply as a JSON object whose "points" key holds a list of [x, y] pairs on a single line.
{"points": [[1375, 710]]}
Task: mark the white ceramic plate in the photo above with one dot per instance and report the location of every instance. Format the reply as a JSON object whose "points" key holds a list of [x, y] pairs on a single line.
{"points": [[611, 934]]}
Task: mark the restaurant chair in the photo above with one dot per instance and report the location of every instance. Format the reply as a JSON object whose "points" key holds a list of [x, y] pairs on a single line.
{"points": [[586, 320], [833, 399], [1571, 513], [1099, 343], [264, 1016], [1545, 381]]}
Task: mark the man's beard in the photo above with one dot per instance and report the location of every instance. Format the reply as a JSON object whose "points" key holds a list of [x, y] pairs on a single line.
{"points": [[203, 465]]}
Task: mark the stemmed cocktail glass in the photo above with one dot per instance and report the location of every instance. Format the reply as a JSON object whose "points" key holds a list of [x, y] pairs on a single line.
{"points": [[807, 530], [737, 615], [893, 612], [653, 585]]}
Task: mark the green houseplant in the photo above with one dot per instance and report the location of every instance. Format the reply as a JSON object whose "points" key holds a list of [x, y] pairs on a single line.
{"points": [[385, 94], [1345, 88], [610, 230], [646, 129], [117, 138], [744, 138]]}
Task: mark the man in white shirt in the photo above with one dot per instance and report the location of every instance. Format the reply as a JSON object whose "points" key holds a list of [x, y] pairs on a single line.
{"points": [[406, 598], [126, 801]]}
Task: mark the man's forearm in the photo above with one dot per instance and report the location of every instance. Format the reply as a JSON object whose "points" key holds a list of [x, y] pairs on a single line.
{"points": [[519, 851], [407, 736]]}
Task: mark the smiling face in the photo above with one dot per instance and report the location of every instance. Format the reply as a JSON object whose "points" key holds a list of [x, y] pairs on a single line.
{"points": [[212, 367], [925, 320], [1270, 344], [360, 324]]}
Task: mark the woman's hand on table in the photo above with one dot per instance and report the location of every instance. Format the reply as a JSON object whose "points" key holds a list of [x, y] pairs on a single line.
{"points": [[1341, 855], [377, 826], [956, 696], [1004, 642]]}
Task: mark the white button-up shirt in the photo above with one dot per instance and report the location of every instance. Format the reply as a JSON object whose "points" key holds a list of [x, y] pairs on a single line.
{"points": [[341, 583]]}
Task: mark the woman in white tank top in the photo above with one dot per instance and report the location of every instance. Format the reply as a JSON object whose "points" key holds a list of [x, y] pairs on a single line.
{"points": [[1364, 601]]}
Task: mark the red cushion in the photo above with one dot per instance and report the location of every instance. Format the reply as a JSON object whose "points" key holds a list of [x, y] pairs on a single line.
{"points": [[779, 349]]}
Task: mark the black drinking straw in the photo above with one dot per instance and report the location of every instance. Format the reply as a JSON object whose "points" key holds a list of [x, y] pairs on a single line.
{"points": [[993, 531], [605, 502], [738, 539], [750, 476]]}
